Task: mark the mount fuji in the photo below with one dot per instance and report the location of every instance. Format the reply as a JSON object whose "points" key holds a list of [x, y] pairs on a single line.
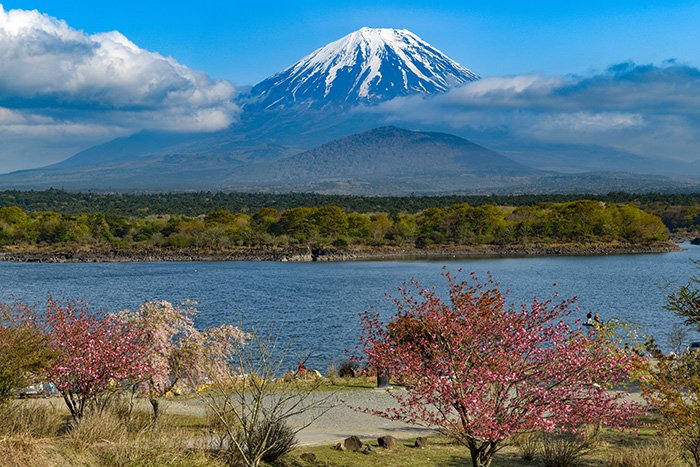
{"points": [[366, 66], [293, 135]]}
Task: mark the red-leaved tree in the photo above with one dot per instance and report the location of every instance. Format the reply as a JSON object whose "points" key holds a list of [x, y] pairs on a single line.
{"points": [[483, 371], [94, 350]]}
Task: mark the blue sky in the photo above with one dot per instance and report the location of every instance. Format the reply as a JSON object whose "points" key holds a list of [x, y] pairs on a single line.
{"points": [[76, 73], [243, 41]]}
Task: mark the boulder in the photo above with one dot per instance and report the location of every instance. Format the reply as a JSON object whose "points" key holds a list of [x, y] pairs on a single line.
{"points": [[695, 241], [387, 442], [352, 443], [421, 442], [340, 447], [366, 449], [308, 457]]}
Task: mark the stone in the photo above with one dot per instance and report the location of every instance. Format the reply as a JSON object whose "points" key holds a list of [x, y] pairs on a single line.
{"points": [[421, 442], [340, 447], [695, 241], [366, 449], [308, 457], [387, 442], [352, 443]]}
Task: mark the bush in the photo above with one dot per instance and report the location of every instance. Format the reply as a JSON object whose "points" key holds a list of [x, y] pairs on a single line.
{"points": [[347, 368], [250, 413], [652, 454], [340, 243], [276, 437], [529, 444], [565, 449]]}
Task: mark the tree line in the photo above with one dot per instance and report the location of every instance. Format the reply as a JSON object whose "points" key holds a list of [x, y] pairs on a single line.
{"points": [[678, 211], [582, 221]]}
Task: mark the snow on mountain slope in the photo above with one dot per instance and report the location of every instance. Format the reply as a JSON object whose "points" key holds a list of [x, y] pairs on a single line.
{"points": [[367, 66]]}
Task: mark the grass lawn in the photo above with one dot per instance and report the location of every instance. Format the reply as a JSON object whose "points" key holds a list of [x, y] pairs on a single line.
{"points": [[445, 452]]}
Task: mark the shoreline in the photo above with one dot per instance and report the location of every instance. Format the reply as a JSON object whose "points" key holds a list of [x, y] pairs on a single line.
{"points": [[326, 255]]}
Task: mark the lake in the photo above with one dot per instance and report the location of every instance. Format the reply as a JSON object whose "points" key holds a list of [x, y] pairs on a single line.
{"points": [[316, 305]]}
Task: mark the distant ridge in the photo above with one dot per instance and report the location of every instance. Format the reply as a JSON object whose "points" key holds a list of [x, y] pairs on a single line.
{"points": [[387, 152]]}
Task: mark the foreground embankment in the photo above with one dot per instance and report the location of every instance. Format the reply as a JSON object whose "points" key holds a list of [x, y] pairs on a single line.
{"points": [[92, 255]]}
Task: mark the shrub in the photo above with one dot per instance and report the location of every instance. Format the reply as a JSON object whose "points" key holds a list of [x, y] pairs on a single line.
{"points": [[652, 454], [347, 368], [565, 449], [250, 413], [276, 437], [529, 444]]}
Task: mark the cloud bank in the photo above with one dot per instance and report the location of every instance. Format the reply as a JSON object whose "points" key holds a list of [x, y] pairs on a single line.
{"points": [[647, 109], [73, 89]]}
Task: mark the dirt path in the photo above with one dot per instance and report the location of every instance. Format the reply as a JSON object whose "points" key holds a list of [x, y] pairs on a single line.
{"points": [[333, 426]]}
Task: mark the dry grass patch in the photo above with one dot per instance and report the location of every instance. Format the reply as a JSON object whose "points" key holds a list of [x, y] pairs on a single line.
{"points": [[30, 418], [658, 453]]}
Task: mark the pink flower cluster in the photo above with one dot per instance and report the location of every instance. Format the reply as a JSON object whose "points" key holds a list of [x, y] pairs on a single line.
{"points": [[94, 350]]}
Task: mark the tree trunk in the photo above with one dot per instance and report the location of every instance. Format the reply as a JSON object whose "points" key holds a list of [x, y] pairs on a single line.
{"points": [[71, 406], [482, 452], [156, 409], [480, 458]]}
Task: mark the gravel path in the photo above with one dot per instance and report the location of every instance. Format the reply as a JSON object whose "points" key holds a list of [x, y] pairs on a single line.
{"points": [[337, 423]]}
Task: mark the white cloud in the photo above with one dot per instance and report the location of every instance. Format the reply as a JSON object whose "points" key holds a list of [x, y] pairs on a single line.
{"points": [[648, 109], [59, 81]]}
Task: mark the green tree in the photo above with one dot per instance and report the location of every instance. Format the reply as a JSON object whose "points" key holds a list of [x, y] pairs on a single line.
{"points": [[359, 225], [330, 221], [685, 302], [381, 225], [296, 223], [24, 351]]}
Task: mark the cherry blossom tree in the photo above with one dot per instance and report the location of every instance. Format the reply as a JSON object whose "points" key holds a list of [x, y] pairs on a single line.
{"points": [[483, 371], [93, 351], [177, 353]]}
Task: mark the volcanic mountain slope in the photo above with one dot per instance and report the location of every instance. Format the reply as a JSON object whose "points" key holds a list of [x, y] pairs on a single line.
{"points": [[386, 152], [366, 66]]}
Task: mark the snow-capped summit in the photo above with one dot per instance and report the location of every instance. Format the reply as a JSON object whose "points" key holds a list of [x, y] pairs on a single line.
{"points": [[367, 66]]}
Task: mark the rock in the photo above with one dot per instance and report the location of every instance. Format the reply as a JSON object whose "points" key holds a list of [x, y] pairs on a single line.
{"points": [[387, 442], [421, 442], [308, 457], [340, 447], [366, 449], [695, 241], [352, 443]]}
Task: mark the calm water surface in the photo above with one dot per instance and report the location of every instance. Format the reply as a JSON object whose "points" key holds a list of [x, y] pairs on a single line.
{"points": [[316, 305]]}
